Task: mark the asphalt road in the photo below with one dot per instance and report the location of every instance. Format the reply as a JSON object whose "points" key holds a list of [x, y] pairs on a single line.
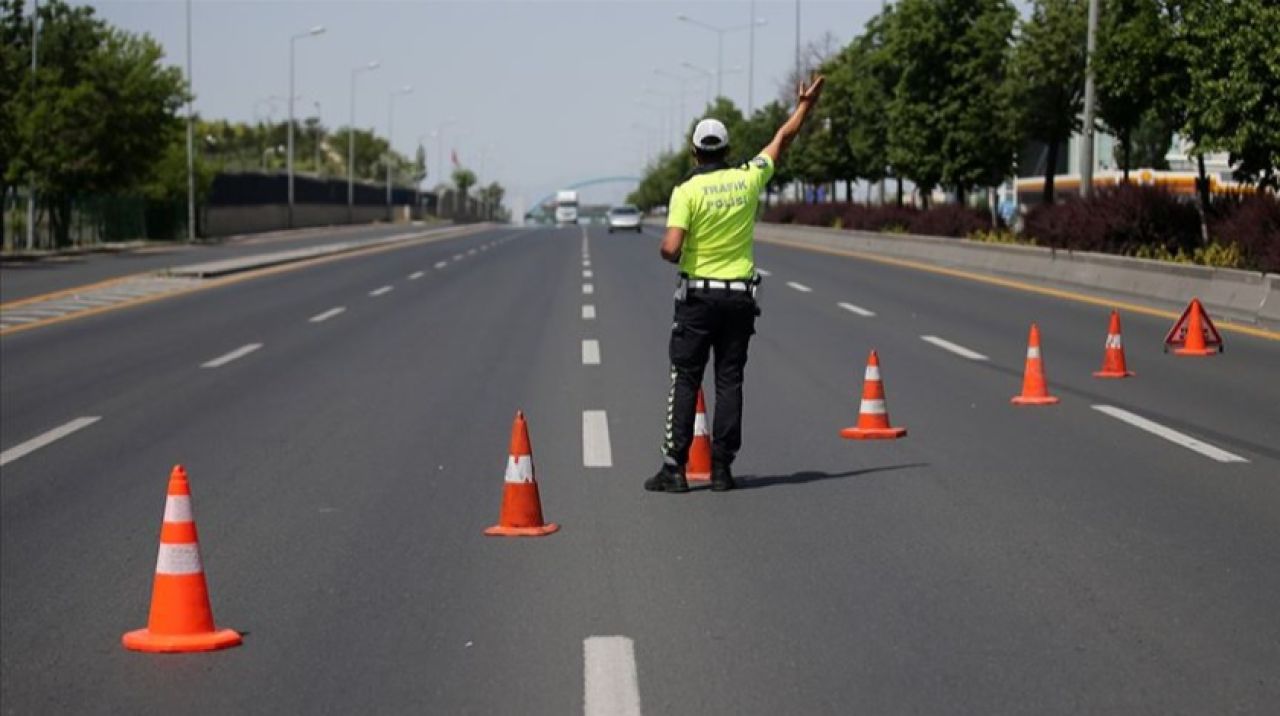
{"points": [[997, 560], [24, 279]]}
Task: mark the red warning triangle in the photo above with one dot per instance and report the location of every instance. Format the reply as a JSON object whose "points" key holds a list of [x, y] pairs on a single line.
{"points": [[1209, 341]]}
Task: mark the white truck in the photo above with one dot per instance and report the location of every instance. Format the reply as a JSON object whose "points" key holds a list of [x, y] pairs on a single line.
{"points": [[566, 207]]}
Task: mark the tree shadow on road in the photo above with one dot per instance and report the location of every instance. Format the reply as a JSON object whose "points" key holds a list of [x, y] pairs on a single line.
{"points": [[751, 482]]}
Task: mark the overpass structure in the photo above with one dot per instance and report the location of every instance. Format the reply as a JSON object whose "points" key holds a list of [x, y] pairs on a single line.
{"points": [[539, 209]]}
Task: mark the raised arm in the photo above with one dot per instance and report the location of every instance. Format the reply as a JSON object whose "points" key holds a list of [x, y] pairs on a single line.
{"points": [[806, 98]]}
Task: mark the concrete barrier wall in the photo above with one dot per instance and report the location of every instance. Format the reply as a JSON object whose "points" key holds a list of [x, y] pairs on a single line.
{"points": [[1241, 295], [233, 220]]}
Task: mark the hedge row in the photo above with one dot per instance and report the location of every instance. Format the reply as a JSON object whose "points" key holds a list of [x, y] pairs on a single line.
{"points": [[1127, 220], [948, 220]]}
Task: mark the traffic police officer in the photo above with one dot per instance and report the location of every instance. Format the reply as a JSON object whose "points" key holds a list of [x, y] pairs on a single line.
{"points": [[710, 225]]}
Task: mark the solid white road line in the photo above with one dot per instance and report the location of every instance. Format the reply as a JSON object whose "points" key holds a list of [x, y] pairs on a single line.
{"points": [[441, 264], [380, 291], [856, 309], [588, 312], [953, 347], [611, 686], [588, 289], [762, 272], [596, 450], [590, 352], [415, 275], [1173, 436], [40, 441], [586, 273], [319, 317], [240, 352], [799, 287]]}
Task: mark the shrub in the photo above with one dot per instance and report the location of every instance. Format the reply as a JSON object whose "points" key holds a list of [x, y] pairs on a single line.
{"points": [[1253, 224], [885, 217], [824, 214], [950, 220], [781, 213], [1117, 221]]}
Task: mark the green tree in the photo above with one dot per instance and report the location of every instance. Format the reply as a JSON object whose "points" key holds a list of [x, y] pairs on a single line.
{"points": [[872, 74], [1136, 70], [370, 152], [917, 39], [419, 165], [100, 114], [978, 142], [1233, 103], [1046, 77], [1150, 143], [463, 179], [15, 36]]}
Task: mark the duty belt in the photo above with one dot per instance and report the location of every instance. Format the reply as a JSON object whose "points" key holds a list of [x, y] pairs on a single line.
{"points": [[708, 284]]}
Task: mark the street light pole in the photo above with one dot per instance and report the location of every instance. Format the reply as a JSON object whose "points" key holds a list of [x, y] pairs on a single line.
{"points": [[351, 142], [317, 30], [720, 32], [391, 103], [751, 63], [31, 181], [191, 161], [1086, 148], [683, 83], [799, 72]]}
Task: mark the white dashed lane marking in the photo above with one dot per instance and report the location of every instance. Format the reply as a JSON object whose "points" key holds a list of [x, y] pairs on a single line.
{"points": [[441, 264], [763, 272], [596, 450], [39, 441], [588, 312], [799, 287], [859, 310], [586, 273], [380, 291], [588, 289], [415, 275], [611, 686], [590, 352], [238, 353], [457, 257], [1210, 451], [956, 348], [321, 317]]}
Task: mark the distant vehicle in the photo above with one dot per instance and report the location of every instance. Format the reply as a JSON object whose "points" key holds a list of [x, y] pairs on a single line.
{"points": [[566, 207], [624, 218]]}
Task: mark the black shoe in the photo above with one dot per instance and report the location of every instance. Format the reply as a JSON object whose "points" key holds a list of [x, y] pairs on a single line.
{"points": [[721, 478], [668, 479]]}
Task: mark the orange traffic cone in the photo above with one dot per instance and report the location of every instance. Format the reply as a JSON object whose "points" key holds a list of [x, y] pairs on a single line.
{"points": [[698, 467], [1113, 365], [181, 619], [873, 415], [1195, 344], [1034, 389], [521, 506]]}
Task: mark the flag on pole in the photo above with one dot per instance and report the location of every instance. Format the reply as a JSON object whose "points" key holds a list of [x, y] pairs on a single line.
{"points": [[453, 154]]}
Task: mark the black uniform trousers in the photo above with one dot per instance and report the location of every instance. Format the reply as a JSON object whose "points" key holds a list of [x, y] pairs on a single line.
{"points": [[706, 321]]}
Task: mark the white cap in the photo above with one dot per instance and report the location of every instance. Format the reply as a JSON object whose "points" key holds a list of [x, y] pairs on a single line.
{"points": [[710, 135]]}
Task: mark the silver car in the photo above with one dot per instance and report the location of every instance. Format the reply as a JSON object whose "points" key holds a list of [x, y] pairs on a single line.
{"points": [[625, 217]]}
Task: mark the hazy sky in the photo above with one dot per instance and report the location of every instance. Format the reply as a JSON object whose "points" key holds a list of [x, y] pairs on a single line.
{"points": [[544, 93]]}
